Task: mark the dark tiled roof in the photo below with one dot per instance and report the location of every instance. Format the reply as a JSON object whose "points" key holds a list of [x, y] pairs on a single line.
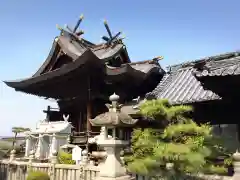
{"points": [[181, 87], [145, 68], [75, 48], [226, 58], [223, 67]]}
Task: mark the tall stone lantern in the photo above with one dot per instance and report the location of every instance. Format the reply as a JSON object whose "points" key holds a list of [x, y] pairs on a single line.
{"points": [[115, 120]]}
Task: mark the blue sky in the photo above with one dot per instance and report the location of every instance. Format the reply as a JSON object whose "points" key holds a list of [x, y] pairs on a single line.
{"points": [[178, 30]]}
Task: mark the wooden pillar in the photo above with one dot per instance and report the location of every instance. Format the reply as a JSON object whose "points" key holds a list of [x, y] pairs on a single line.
{"points": [[80, 122], [88, 124], [89, 105], [89, 115]]}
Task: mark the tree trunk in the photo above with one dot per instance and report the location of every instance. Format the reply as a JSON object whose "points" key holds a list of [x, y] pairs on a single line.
{"points": [[14, 140]]}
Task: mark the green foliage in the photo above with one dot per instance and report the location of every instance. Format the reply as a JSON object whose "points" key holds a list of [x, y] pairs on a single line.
{"points": [[19, 129], [228, 161], [215, 169], [16, 131], [6, 147], [37, 175], [65, 158], [182, 142], [161, 110]]}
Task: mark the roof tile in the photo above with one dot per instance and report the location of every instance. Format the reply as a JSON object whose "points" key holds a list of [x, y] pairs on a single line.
{"points": [[181, 87], [221, 67]]}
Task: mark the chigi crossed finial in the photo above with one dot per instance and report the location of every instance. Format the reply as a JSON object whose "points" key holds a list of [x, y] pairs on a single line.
{"points": [[111, 38], [74, 31]]}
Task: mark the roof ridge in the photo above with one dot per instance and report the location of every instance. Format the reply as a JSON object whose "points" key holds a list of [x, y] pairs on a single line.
{"points": [[151, 61], [206, 59]]}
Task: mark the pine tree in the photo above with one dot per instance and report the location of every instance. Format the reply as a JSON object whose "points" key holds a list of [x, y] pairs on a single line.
{"points": [[16, 131], [182, 143]]}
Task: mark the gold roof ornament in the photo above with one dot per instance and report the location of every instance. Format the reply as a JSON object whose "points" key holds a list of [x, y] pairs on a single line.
{"points": [[81, 17], [111, 38], [74, 32], [58, 27], [158, 58]]}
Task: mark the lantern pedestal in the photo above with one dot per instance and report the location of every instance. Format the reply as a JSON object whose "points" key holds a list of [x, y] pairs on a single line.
{"points": [[236, 164], [112, 168]]}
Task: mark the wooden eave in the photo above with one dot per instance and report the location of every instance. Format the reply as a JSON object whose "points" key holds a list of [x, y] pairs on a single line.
{"points": [[42, 85], [55, 49], [75, 75]]}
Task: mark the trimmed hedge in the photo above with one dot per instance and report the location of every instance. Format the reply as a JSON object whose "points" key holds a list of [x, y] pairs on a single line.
{"points": [[65, 158], [38, 175]]}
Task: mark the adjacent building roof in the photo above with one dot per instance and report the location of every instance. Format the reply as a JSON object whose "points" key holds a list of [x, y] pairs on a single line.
{"points": [[180, 85], [222, 65]]}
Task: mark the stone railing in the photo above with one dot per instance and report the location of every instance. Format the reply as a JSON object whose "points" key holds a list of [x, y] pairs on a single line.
{"points": [[15, 170], [18, 171], [200, 177]]}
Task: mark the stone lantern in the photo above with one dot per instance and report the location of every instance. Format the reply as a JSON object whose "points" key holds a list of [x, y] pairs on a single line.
{"points": [[115, 120], [236, 164]]}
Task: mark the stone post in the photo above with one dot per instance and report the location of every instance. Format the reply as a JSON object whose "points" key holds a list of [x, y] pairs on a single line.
{"points": [[53, 145], [28, 146], [236, 165], [31, 158], [54, 159], [12, 155], [39, 151], [84, 160]]}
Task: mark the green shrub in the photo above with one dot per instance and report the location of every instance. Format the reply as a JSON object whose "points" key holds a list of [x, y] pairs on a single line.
{"points": [[38, 175], [65, 158], [228, 161], [189, 146], [212, 169]]}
